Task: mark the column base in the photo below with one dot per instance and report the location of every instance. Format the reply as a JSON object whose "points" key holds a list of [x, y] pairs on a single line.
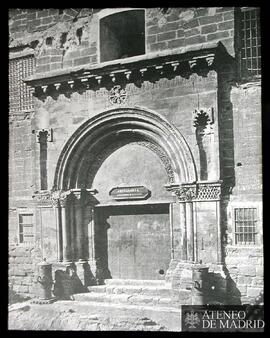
{"points": [[85, 273]]}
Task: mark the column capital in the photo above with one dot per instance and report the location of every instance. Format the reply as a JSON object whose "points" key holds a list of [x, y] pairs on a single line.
{"points": [[185, 192], [64, 197], [82, 196]]}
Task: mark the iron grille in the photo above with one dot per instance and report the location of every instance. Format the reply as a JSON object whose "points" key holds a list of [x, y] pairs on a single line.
{"points": [[20, 95], [251, 41], [26, 234], [245, 225]]}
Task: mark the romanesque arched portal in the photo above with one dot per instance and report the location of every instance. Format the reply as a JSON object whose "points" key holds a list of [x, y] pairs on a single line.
{"points": [[80, 203]]}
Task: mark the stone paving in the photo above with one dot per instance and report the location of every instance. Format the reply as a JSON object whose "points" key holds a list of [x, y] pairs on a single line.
{"points": [[92, 316]]}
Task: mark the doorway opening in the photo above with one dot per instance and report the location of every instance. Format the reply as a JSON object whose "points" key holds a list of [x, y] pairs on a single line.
{"points": [[133, 241]]}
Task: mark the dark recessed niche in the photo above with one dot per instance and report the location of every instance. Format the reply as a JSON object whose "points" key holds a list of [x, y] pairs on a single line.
{"points": [[63, 39], [49, 41], [79, 33], [122, 35]]}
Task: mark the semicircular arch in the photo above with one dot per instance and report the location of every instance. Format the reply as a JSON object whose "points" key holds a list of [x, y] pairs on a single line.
{"points": [[138, 124]]}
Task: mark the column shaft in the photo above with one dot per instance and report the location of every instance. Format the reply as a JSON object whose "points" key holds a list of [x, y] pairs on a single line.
{"points": [[79, 230], [66, 235], [183, 231], [190, 231]]}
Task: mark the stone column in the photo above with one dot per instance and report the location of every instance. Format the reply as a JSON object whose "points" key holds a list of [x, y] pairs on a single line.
{"points": [[56, 206], [79, 199], [186, 193], [65, 222], [184, 230], [190, 231]]}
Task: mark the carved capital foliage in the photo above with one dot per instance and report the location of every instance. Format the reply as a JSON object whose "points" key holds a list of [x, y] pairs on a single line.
{"points": [[186, 193], [64, 198], [206, 191], [46, 133], [203, 119], [55, 198]]}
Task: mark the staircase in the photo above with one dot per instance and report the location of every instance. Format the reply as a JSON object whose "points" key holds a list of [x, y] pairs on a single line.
{"points": [[150, 300]]}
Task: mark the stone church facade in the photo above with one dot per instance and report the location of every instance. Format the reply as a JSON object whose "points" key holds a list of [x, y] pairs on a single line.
{"points": [[135, 147]]}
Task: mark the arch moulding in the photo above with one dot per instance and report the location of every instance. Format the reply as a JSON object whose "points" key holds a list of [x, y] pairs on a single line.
{"points": [[110, 125]]}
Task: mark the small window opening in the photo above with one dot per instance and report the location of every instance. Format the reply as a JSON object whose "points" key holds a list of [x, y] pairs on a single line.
{"points": [[34, 44], [79, 33], [49, 41], [63, 40], [122, 35], [26, 228]]}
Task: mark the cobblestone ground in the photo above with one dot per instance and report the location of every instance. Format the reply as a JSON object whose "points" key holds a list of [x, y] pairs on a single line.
{"points": [[66, 315]]}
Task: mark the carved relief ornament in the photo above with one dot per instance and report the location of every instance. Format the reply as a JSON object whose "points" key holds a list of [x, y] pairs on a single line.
{"points": [[196, 191]]}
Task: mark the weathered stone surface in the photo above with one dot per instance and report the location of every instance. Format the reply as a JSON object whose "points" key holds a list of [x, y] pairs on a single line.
{"points": [[253, 292], [247, 270], [88, 316]]}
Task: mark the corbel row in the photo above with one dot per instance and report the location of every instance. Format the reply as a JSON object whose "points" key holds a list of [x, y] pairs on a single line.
{"points": [[99, 77]]}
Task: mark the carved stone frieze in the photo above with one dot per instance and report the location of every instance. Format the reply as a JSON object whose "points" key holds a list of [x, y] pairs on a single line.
{"points": [[205, 191], [209, 191]]}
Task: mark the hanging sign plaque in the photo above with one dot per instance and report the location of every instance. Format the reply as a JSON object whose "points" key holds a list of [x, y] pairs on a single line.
{"points": [[130, 193]]}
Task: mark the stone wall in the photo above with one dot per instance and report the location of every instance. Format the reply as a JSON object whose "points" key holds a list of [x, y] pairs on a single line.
{"points": [[23, 270], [70, 39]]}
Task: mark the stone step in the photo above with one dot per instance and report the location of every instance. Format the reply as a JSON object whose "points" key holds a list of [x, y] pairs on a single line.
{"points": [[133, 299], [132, 289], [144, 282]]}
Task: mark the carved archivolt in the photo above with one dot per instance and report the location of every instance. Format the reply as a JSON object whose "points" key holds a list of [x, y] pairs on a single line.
{"points": [[98, 160], [163, 157], [175, 154]]}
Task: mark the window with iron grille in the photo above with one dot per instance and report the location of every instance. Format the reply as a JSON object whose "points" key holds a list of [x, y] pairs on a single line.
{"points": [[26, 228], [20, 96], [245, 225], [250, 53]]}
